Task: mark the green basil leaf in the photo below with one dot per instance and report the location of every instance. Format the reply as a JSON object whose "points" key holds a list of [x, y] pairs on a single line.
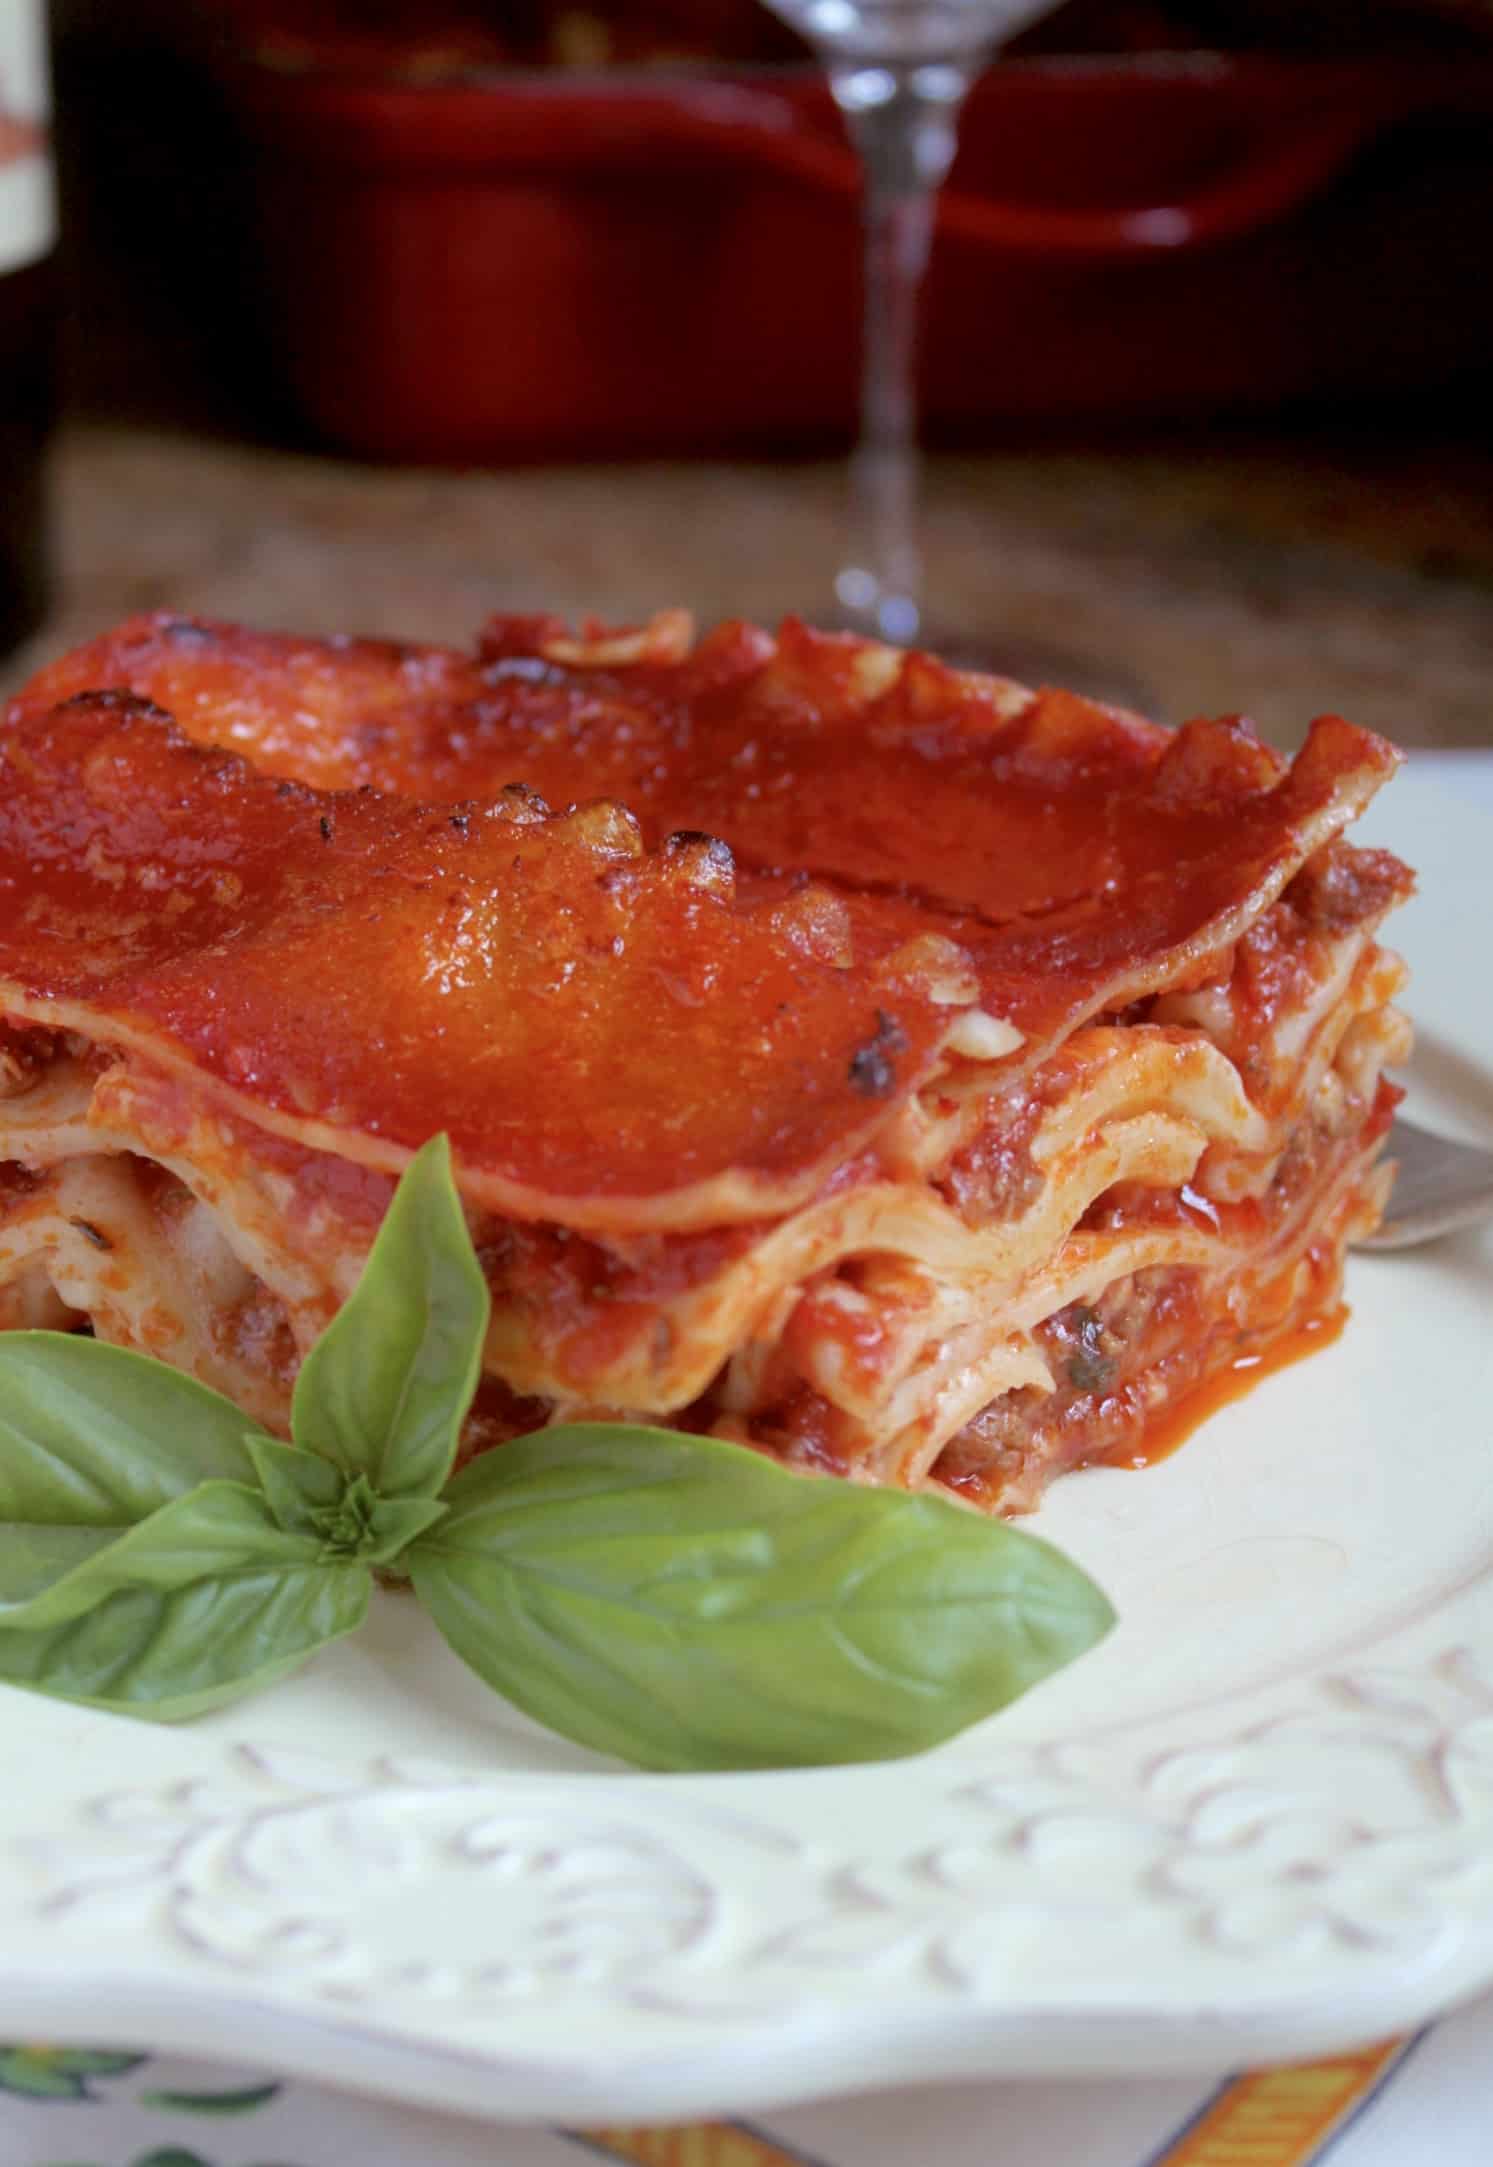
{"points": [[35, 1558], [171, 1653], [92, 1436], [384, 1390], [684, 1603], [344, 1514], [395, 1523], [297, 1484], [217, 1531]]}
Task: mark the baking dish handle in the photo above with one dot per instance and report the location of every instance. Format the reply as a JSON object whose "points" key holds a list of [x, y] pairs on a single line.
{"points": [[1269, 181]]}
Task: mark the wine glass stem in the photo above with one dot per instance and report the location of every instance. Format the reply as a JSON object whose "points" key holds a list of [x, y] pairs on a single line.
{"points": [[903, 121]]}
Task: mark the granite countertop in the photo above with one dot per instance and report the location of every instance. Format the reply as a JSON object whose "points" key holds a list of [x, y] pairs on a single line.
{"points": [[1275, 576]]}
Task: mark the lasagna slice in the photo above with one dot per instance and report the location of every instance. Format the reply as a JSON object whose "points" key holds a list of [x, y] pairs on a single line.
{"points": [[923, 1080]]}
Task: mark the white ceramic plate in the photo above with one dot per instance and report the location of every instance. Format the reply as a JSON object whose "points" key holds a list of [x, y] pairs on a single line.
{"points": [[1257, 1822]]}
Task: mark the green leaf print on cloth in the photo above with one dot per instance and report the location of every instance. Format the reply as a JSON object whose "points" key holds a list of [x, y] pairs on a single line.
{"points": [[242, 2101], [41, 2072]]}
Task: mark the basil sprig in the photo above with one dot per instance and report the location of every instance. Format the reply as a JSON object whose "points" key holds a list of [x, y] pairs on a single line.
{"points": [[686, 1603], [676, 1601]]}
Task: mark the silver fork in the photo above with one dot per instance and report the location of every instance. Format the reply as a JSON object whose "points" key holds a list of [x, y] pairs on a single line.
{"points": [[1440, 1186]]}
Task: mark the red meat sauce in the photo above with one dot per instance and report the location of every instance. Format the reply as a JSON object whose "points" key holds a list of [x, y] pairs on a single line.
{"points": [[324, 876], [307, 864], [1140, 1367]]}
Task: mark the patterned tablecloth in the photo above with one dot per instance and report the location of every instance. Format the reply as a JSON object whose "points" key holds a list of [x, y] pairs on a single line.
{"points": [[1406, 2103], [1425, 2101]]}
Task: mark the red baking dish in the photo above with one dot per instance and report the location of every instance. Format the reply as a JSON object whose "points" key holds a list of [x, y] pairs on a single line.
{"points": [[539, 264]]}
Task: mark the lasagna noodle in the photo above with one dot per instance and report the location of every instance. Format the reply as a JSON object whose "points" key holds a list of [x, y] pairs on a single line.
{"points": [[1065, 1183]]}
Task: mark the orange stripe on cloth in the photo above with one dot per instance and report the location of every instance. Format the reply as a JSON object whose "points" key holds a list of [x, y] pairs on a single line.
{"points": [[702, 2144], [1281, 2117]]}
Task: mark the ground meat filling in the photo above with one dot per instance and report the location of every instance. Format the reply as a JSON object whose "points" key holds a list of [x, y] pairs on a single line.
{"points": [[1114, 1361]]}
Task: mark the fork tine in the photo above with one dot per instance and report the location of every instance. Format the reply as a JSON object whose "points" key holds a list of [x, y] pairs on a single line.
{"points": [[1440, 1185]]}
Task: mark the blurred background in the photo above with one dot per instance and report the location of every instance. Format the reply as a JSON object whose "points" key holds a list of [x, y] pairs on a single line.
{"points": [[383, 314]]}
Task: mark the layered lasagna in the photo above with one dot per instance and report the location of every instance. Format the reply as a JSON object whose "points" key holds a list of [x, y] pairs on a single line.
{"points": [[924, 1080]]}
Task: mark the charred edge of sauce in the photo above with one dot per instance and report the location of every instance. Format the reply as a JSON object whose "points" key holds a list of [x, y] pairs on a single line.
{"points": [[115, 700], [873, 1069]]}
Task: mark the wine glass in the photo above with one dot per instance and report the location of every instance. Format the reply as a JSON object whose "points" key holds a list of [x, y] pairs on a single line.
{"points": [[900, 71]]}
